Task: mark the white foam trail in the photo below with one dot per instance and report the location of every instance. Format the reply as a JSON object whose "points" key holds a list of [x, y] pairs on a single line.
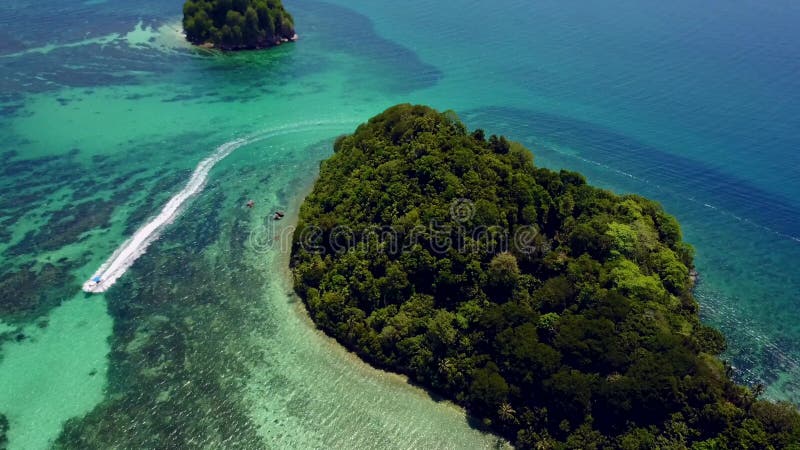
{"points": [[124, 257], [133, 248]]}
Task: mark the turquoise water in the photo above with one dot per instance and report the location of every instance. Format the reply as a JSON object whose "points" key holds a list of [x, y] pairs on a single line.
{"points": [[105, 112]]}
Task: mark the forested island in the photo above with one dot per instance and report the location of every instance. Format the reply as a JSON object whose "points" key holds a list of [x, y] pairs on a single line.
{"points": [[559, 314], [237, 24]]}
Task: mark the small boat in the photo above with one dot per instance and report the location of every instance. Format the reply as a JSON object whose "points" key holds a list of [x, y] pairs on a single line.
{"points": [[251, 204], [92, 284]]}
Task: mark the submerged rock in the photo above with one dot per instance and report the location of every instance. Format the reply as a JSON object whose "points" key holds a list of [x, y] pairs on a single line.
{"points": [[3, 431], [27, 293]]}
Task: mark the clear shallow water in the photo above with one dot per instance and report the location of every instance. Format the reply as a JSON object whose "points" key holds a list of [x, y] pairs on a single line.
{"points": [[201, 342]]}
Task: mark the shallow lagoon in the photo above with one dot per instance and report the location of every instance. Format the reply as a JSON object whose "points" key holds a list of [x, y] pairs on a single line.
{"points": [[104, 112]]}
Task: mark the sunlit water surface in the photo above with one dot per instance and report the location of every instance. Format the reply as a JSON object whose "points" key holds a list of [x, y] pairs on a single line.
{"points": [[105, 112]]}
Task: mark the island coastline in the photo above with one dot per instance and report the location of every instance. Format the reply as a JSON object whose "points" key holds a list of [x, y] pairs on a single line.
{"points": [[358, 363], [246, 25], [630, 258]]}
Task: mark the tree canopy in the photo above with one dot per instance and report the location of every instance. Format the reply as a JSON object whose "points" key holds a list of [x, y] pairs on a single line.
{"points": [[237, 24], [558, 313]]}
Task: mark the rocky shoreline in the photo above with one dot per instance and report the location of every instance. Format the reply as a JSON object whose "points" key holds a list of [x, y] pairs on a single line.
{"points": [[260, 46]]}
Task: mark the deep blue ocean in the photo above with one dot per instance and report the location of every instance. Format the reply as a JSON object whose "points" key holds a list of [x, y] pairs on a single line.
{"points": [[104, 112]]}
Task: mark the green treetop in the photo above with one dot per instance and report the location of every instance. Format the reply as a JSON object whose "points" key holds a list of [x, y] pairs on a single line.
{"points": [[237, 24]]}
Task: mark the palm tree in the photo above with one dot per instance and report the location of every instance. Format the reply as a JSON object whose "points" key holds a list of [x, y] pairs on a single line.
{"points": [[758, 390], [506, 412], [446, 366]]}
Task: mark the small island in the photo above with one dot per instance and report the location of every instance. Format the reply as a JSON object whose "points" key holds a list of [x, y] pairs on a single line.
{"points": [[237, 24], [559, 314]]}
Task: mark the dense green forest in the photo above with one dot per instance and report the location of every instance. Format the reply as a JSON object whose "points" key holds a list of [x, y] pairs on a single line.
{"points": [[566, 321], [237, 24]]}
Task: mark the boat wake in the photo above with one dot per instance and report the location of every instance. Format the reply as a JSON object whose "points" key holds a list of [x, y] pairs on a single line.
{"points": [[133, 248], [124, 257]]}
